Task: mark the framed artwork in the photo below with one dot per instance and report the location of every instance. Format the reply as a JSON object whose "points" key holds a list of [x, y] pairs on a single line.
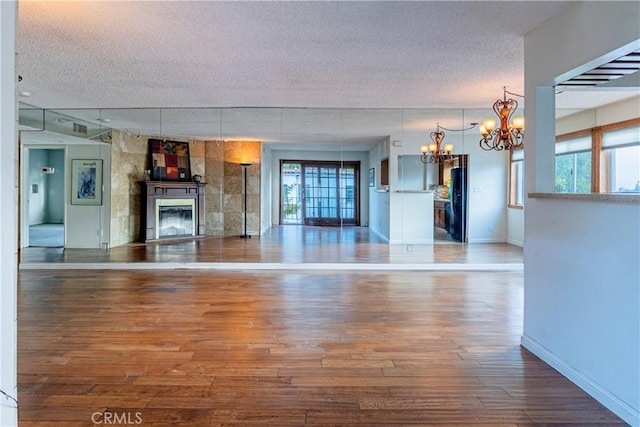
{"points": [[86, 182], [372, 177], [169, 160]]}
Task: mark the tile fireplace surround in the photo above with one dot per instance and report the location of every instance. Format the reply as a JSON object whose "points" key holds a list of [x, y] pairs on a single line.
{"points": [[165, 191]]}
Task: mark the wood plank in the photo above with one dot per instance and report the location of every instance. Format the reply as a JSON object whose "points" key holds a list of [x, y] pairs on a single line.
{"points": [[284, 348]]}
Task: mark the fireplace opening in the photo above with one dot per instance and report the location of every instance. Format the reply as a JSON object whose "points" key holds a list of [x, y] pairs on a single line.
{"points": [[175, 218]]}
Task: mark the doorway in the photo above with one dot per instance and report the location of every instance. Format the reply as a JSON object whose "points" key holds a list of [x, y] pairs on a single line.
{"points": [[319, 193], [44, 211], [451, 201]]}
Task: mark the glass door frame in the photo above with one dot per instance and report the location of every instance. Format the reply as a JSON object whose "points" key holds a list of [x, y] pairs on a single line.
{"points": [[339, 165]]}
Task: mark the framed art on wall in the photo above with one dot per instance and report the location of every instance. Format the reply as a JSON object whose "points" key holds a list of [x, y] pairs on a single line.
{"points": [[169, 160], [372, 177], [86, 182]]}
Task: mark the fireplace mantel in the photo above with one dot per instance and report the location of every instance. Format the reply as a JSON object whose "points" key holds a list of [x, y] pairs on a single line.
{"points": [[167, 190]]}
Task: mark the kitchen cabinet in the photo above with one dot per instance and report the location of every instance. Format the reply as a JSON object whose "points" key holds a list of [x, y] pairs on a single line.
{"points": [[439, 213]]}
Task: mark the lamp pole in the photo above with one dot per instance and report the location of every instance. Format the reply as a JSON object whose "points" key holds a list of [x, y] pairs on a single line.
{"points": [[244, 169]]}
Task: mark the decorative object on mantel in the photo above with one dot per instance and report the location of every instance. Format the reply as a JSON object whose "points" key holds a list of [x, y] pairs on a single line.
{"points": [[510, 134], [244, 204], [169, 160], [197, 178], [436, 152]]}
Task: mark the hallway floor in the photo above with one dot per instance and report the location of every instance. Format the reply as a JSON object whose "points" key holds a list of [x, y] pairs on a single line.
{"points": [[46, 235]]}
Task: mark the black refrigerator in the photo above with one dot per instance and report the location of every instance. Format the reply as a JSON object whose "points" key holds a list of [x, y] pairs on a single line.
{"points": [[458, 219]]}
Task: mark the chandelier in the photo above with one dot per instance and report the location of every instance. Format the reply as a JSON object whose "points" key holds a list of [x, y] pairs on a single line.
{"points": [[435, 152], [510, 134]]}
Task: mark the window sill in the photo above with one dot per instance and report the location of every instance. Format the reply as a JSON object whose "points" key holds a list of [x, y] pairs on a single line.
{"points": [[632, 198]]}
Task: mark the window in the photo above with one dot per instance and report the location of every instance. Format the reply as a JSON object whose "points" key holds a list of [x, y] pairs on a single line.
{"points": [[516, 181], [603, 159], [620, 160], [573, 165]]}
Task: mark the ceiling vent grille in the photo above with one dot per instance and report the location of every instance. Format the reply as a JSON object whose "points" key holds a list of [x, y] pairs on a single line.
{"points": [[628, 64], [78, 128]]}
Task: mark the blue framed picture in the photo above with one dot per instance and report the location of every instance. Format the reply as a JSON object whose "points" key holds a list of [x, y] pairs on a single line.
{"points": [[86, 182]]}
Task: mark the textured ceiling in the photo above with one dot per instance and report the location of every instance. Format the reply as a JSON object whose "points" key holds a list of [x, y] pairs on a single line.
{"points": [[316, 56]]}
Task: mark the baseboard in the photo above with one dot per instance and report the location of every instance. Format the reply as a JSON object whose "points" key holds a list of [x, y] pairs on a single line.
{"points": [[377, 233], [614, 404], [515, 242], [487, 240]]}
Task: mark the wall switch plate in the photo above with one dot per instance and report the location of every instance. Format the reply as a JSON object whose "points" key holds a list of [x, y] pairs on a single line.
{"points": [[397, 143]]}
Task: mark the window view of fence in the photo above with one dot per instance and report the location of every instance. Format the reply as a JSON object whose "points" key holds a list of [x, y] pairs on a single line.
{"points": [[291, 193]]}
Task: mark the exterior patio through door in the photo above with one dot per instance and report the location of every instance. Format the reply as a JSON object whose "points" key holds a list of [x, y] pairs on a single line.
{"points": [[328, 193]]}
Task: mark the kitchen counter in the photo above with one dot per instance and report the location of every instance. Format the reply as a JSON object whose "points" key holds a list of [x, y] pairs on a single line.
{"points": [[415, 209], [632, 198]]}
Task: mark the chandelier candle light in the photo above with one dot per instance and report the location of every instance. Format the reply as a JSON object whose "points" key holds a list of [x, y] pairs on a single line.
{"points": [[433, 153], [510, 134]]}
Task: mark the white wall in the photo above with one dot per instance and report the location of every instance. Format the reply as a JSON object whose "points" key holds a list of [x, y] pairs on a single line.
{"points": [[361, 156], [580, 258], [611, 113], [582, 296], [37, 201], [265, 189], [379, 208], [515, 226], [488, 172], [413, 174], [8, 214], [55, 187], [89, 226]]}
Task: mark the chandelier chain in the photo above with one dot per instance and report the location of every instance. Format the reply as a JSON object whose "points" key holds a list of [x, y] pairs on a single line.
{"points": [[514, 94], [458, 130]]}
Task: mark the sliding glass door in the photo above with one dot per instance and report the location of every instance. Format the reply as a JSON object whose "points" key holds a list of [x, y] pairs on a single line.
{"points": [[328, 193]]}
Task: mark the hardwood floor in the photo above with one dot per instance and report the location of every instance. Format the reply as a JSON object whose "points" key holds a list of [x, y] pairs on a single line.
{"points": [[284, 245], [323, 347]]}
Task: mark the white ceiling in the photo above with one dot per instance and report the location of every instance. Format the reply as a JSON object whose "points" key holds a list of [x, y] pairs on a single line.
{"points": [[328, 73]]}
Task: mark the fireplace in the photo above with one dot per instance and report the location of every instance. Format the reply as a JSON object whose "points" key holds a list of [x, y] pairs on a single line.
{"points": [[174, 218], [171, 210]]}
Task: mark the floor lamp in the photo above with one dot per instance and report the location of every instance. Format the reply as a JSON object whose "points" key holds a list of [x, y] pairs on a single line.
{"points": [[244, 171]]}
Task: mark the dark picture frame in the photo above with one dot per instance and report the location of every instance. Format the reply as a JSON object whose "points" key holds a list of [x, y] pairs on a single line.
{"points": [[372, 177], [169, 160]]}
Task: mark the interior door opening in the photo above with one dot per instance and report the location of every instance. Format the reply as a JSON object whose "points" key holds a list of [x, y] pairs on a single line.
{"points": [[319, 193], [45, 197], [451, 202]]}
